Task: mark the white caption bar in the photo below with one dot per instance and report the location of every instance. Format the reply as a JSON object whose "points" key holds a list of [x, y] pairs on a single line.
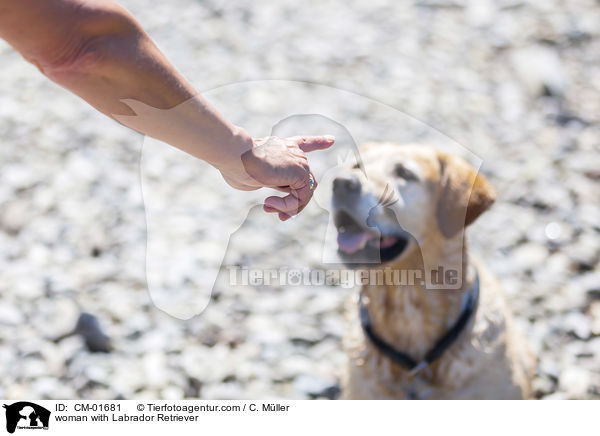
{"points": [[73, 417]]}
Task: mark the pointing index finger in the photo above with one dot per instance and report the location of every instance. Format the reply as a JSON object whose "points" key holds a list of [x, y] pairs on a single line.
{"points": [[312, 143]]}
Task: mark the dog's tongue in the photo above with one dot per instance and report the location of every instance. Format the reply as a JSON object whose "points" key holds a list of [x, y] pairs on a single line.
{"points": [[352, 242]]}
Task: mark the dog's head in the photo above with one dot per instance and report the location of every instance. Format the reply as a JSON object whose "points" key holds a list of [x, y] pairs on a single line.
{"points": [[400, 196]]}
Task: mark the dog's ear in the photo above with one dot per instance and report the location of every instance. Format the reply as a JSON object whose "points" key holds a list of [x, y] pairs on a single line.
{"points": [[464, 195]]}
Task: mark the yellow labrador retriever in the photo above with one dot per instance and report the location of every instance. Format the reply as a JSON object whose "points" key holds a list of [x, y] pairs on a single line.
{"points": [[429, 322]]}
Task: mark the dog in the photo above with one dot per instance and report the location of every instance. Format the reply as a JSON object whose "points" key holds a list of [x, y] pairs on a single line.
{"points": [[402, 210]]}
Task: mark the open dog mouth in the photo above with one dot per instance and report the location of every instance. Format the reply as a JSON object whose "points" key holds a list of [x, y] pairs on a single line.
{"points": [[357, 244]]}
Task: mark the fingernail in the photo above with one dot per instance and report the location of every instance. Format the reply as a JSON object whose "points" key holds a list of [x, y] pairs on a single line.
{"points": [[329, 137]]}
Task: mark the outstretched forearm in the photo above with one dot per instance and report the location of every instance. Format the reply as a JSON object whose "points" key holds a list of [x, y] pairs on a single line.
{"points": [[97, 50]]}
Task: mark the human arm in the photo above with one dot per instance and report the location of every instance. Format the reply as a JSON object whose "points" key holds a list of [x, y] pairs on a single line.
{"points": [[97, 50]]}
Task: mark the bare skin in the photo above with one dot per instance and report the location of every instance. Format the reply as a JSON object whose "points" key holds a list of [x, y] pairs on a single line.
{"points": [[97, 50]]}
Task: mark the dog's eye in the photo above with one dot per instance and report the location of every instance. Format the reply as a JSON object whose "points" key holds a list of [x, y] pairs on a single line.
{"points": [[404, 173], [356, 166]]}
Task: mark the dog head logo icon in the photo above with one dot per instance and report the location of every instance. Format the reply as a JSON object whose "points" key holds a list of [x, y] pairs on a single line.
{"points": [[26, 415]]}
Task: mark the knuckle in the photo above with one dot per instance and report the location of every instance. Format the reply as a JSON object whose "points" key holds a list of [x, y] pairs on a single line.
{"points": [[303, 166]]}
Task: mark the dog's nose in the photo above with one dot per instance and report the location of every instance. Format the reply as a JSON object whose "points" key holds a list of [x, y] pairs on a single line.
{"points": [[346, 183]]}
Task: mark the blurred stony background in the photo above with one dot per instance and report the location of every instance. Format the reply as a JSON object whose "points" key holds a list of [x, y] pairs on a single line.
{"points": [[517, 82]]}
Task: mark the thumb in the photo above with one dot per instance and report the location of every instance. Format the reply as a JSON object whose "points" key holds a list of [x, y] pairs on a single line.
{"points": [[312, 143]]}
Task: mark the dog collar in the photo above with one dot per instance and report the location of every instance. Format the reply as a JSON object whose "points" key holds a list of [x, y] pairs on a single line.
{"points": [[405, 360]]}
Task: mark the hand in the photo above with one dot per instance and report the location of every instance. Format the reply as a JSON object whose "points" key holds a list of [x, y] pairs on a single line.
{"points": [[280, 163]]}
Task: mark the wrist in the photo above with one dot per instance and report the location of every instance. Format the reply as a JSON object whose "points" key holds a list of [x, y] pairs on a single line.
{"points": [[231, 150]]}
